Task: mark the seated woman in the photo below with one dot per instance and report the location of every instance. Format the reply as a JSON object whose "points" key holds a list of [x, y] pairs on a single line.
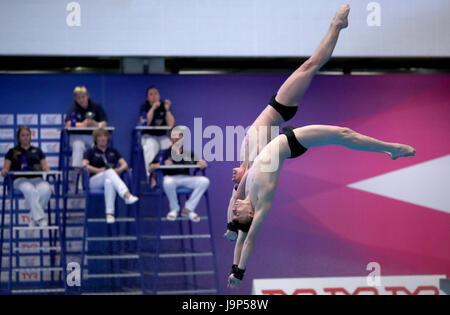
{"points": [[37, 192], [101, 161], [155, 113]]}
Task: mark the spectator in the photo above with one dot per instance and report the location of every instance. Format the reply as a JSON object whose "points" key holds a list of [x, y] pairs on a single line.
{"points": [[175, 178], [83, 113], [105, 165], [154, 113], [37, 192]]}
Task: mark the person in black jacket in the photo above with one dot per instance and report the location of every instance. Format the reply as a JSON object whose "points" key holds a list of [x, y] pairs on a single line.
{"points": [[83, 113], [25, 157], [105, 165], [154, 113]]}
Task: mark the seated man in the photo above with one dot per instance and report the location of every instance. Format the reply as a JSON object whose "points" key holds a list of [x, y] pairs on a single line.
{"points": [[101, 162], [83, 113], [175, 178]]}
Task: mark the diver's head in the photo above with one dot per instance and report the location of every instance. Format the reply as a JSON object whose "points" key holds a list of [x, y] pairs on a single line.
{"points": [[243, 213]]}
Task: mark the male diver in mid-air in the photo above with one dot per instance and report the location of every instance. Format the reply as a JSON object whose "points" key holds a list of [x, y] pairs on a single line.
{"points": [[283, 106], [256, 179]]}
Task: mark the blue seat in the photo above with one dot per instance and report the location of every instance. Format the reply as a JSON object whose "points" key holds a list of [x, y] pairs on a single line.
{"points": [[110, 242], [188, 236], [14, 195], [184, 191]]}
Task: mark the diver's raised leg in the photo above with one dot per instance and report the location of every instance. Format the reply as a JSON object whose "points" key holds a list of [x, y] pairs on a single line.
{"points": [[319, 135], [298, 82]]}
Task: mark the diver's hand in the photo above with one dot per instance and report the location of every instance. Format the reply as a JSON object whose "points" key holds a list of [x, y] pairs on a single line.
{"points": [[233, 282], [231, 236]]}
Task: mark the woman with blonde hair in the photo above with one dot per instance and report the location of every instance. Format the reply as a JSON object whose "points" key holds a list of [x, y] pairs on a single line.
{"points": [[105, 165]]}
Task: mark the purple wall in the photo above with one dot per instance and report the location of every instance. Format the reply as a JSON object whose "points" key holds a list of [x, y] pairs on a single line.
{"points": [[299, 239]]}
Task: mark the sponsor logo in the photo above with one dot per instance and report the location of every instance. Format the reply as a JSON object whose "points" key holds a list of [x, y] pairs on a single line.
{"points": [[5, 146], [34, 133], [50, 133], [6, 133], [27, 119], [53, 161], [6, 120], [51, 119], [50, 147], [391, 285], [29, 276]]}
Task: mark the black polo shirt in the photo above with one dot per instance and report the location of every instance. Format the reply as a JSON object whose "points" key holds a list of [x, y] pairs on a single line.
{"points": [[159, 118], [99, 159], [25, 160], [95, 108], [188, 159]]}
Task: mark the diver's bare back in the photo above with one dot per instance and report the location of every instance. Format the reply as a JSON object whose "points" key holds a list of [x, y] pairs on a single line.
{"points": [[259, 134]]}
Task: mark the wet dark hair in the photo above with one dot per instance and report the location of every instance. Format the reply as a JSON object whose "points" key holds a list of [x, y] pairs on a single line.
{"points": [[244, 227]]}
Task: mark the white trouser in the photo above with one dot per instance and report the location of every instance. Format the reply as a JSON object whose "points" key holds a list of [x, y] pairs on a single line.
{"points": [[151, 146], [37, 193], [79, 144], [112, 184], [199, 184]]}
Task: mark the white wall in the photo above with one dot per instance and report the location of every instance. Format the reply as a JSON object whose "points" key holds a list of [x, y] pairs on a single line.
{"points": [[220, 27]]}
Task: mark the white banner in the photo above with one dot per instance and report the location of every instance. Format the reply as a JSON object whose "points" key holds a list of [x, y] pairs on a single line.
{"points": [[50, 133], [6, 119], [52, 161], [27, 119], [6, 133], [390, 285], [50, 147], [5, 146], [232, 28], [34, 133], [51, 119]]}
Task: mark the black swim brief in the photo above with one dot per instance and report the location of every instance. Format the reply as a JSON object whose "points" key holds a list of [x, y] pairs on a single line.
{"points": [[296, 148], [287, 112]]}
